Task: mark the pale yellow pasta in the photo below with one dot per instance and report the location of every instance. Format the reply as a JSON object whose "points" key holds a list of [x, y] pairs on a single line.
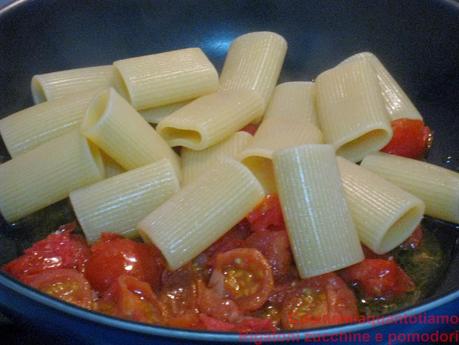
{"points": [[320, 228], [384, 214], [155, 115], [295, 100], [351, 110], [28, 128], [160, 79], [122, 133], [55, 85], [254, 62], [398, 104], [195, 163], [117, 204], [47, 174], [436, 186], [210, 119], [111, 167], [202, 212], [290, 120]]}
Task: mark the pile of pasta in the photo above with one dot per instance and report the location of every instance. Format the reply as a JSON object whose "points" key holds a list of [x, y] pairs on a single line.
{"points": [[91, 137]]}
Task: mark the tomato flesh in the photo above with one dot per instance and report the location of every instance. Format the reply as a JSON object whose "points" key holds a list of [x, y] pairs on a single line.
{"points": [[267, 215], [250, 128], [378, 278], [65, 284], [411, 138], [113, 256], [132, 299], [275, 247], [246, 325], [245, 276], [319, 301], [61, 249], [233, 239], [216, 305], [179, 294]]}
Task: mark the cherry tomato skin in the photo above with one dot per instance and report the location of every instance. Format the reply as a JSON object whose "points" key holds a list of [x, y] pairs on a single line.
{"points": [[244, 275], [411, 138], [179, 289], [179, 294], [216, 325], [65, 284], [378, 278], [216, 305], [233, 239], [245, 325], [275, 247], [319, 301], [61, 249], [250, 128], [114, 257], [281, 291], [132, 299], [267, 215]]}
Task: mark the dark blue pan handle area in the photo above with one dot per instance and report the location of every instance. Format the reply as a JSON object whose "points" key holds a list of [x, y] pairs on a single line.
{"points": [[417, 40]]}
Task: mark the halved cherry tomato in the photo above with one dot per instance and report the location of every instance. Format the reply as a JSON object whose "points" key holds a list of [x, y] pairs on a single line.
{"points": [[61, 249], [113, 256], [246, 325], [255, 325], [233, 239], [216, 305], [179, 294], [243, 275], [132, 299], [65, 284], [282, 290], [216, 325], [378, 278], [411, 139], [275, 247], [267, 215], [250, 128], [271, 313], [319, 301]]}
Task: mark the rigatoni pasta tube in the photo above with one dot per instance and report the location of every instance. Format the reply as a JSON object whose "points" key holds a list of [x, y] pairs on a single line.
{"points": [[121, 132], [254, 62], [155, 115], [195, 163], [165, 78], [117, 204], [28, 128], [210, 119], [384, 214], [295, 100], [55, 85], [290, 120], [194, 218], [47, 174], [436, 186], [351, 110], [398, 104], [320, 228], [111, 167]]}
